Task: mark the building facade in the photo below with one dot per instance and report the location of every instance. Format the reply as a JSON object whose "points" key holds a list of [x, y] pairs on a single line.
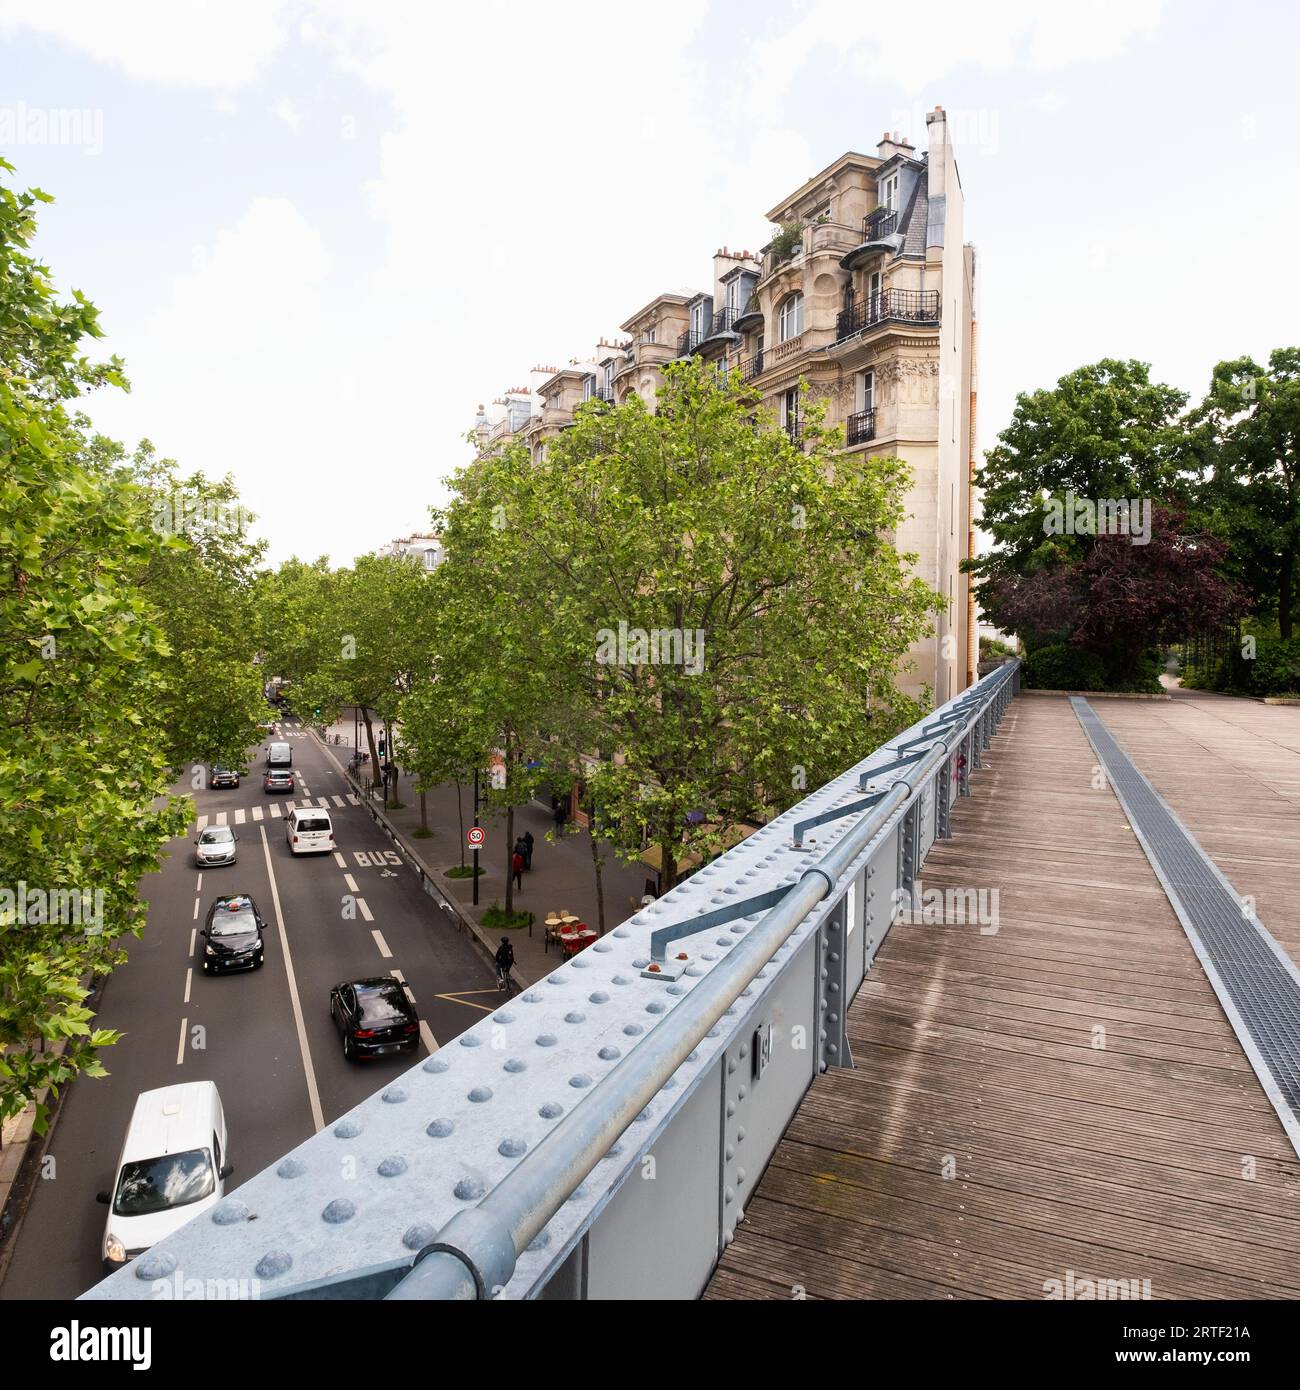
{"points": [[427, 549], [864, 300]]}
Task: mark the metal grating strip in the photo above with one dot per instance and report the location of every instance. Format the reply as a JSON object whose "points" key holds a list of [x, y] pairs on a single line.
{"points": [[1256, 981]]}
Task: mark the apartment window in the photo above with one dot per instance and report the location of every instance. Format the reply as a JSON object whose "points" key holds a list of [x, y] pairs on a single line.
{"points": [[790, 318], [889, 192], [588, 387], [733, 294], [609, 376], [697, 317], [651, 335], [865, 392], [790, 412]]}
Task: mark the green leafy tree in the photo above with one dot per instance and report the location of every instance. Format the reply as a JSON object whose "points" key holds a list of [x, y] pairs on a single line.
{"points": [[84, 764], [716, 608], [1245, 438]]}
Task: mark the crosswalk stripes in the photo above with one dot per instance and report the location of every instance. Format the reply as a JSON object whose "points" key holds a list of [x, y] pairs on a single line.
{"points": [[257, 813], [338, 800], [323, 801], [275, 810], [239, 815], [203, 821], [221, 818], [353, 800]]}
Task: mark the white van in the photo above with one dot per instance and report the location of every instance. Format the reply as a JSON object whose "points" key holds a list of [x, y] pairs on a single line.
{"points": [[279, 755], [174, 1165], [309, 830]]}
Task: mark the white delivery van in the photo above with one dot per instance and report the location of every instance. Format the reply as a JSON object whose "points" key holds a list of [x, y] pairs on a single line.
{"points": [[173, 1166], [279, 755], [309, 830]]}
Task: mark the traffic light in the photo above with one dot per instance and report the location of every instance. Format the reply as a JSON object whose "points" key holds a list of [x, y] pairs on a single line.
{"points": [[381, 745]]}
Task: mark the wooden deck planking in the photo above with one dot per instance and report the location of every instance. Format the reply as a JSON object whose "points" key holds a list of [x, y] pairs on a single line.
{"points": [[977, 1049]]}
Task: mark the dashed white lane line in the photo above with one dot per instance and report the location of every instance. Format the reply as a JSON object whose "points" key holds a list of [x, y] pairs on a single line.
{"points": [[313, 1093], [194, 936], [239, 815], [351, 882], [189, 980], [196, 909], [198, 887], [275, 810], [339, 859], [426, 1033], [381, 943], [257, 813], [365, 911], [180, 1050]]}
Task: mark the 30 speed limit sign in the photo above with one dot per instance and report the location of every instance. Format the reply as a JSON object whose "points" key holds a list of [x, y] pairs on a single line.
{"points": [[475, 835]]}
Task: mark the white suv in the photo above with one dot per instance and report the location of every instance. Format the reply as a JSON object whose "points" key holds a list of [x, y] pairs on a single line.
{"points": [[309, 830]]}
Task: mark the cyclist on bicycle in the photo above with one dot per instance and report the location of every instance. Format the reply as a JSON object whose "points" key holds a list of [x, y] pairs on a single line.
{"points": [[505, 959]]}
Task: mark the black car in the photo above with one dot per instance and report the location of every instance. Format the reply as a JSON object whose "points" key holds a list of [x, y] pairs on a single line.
{"points": [[223, 776], [374, 1018], [233, 935]]}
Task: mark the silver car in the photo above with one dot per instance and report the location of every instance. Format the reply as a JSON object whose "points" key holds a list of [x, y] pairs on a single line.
{"points": [[215, 845]]}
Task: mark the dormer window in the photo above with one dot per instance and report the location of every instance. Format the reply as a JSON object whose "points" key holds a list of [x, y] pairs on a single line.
{"points": [[588, 387], [889, 192], [698, 320], [790, 318]]}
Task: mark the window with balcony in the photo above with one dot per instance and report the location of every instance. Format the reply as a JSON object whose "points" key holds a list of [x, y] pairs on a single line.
{"points": [[790, 412], [699, 319], [865, 392], [588, 387], [790, 318], [889, 192]]}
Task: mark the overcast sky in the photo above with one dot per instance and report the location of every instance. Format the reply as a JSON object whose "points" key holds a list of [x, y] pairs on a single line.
{"points": [[321, 233]]}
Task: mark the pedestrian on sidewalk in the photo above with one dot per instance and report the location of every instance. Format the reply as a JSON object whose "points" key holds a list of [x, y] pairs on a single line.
{"points": [[561, 815], [528, 849], [517, 868]]}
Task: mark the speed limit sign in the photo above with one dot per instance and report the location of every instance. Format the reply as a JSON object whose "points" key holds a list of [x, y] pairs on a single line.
{"points": [[475, 835]]}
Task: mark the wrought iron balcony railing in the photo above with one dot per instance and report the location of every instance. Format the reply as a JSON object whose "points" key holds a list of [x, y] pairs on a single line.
{"points": [[750, 367], [911, 306], [604, 393], [876, 226], [690, 340], [722, 322], [861, 427]]}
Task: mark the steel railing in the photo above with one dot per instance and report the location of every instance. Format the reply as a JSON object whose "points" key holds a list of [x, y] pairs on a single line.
{"points": [[475, 1252], [860, 427], [878, 225], [912, 306]]}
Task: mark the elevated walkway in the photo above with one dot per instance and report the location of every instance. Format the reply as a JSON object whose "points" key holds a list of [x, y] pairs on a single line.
{"points": [[1057, 1106]]}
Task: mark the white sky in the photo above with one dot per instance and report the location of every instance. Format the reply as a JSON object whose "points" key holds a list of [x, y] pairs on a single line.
{"points": [[321, 233]]}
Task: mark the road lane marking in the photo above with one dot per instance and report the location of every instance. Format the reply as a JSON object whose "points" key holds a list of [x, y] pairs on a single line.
{"points": [[275, 810], [401, 980], [353, 800], [194, 935], [313, 1094], [180, 1051], [196, 909], [198, 887], [338, 800], [323, 801], [189, 979], [202, 823], [257, 813], [365, 910], [221, 818], [426, 1034], [239, 816], [380, 942], [339, 860], [351, 882]]}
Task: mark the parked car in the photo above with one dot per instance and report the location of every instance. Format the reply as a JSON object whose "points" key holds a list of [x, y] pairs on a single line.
{"points": [[279, 755], [173, 1165], [215, 846], [375, 1018], [277, 779], [309, 830], [233, 935], [222, 776]]}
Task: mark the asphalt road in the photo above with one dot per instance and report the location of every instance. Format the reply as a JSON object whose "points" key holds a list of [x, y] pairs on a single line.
{"points": [[265, 1037]]}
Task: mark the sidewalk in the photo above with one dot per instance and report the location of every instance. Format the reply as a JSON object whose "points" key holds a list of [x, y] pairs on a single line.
{"points": [[562, 875]]}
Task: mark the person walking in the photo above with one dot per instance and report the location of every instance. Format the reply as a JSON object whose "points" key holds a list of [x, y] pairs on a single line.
{"points": [[561, 815], [528, 849], [517, 867]]}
